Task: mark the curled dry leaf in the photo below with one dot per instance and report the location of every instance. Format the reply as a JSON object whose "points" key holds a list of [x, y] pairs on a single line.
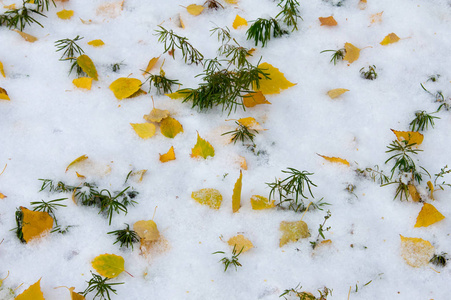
{"points": [[428, 216], [335, 160], [239, 21], [32, 293], [416, 252], [35, 223], [125, 87], [240, 243], [4, 94], [76, 161], [336, 93], [352, 53], [209, 197], [328, 21], [83, 83], [293, 231], [170, 155], [144, 130], [390, 39], [260, 202], [409, 136], [276, 82], [65, 14], [236, 196]]}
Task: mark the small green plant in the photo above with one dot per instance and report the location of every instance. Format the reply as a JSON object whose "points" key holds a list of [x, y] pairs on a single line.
{"points": [[263, 29], [297, 292], [289, 13], [171, 41], [126, 237], [231, 261], [403, 161], [117, 66], [443, 171], [19, 224], [42, 5], [236, 54], [223, 34], [439, 259], [422, 120], [71, 51], [49, 207], [100, 285], [439, 97], [336, 55], [19, 18], [61, 229], [375, 174], [162, 84], [321, 230], [242, 133], [369, 74]]}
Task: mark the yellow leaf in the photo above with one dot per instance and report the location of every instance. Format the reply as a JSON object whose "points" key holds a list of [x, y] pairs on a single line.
{"points": [[9, 7], [275, 84], [80, 176], [74, 295], [252, 99], [156, 115], [231, 1], [376, 18], [260, 202], [428, 216], [124, 87], [336, 92], [170, 127], [335, 160], [202, 148], [137, 94], [209, 197], [28, 37], [108, 265], [151, 64], [413, 193], [177, 95], [412, 137], [181, 22], [293, 231], [239, 21], [390, 39], [65, 14], [147, 230], [329, 21], [195, 9], [4, 94], [431, 188], [242, 161], [250, 123], [144, 130], [236, 196], [352, 53], [76, 161], [32, 293], [170, 155], [96, 43], [110, 9], [2, 196], [2, 71], [87, 66], [83, 82], [416, 252], [240, 243], [35, 223]]}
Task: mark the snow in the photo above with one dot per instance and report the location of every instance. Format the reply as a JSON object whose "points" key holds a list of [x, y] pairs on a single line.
{"points": [[48, 123]]}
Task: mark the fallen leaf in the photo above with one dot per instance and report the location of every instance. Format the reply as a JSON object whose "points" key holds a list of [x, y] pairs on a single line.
{"points": [[336, 92], [110, 10], [137, 94], [236, 196], [390, 39], [144, 130], [275, 84], [335, 160], [253, 99], [209, 197], [412, 137], [416, 252], [87, 66], [65, 14], [80, 176], [4, 94], [376, 18], [240, 243], [2, 196], [32, 293], [231, 1], [96, 43], [202, 148], [182, 25], [170, 127], [2, 71], [74, 295], [260, 202], [150, 65], [250, 123], [35, 223], [428, 216], [10, 7], [177, 95], [153, 248], [293, 231], [108, 265], [170, 155], [352, 53], [413, 193], [147, 230], [431, 189], [195, 9], [28, 37], [239, 21], [83, 82], [328, 21], [76, 161], [156, 115], [124, 87]]}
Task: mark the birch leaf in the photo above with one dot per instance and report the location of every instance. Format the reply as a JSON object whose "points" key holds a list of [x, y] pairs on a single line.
{"points": [[108, 265], [177, 95], [275, 84], [156, 115], [250, 123], [416, 252], [4, 94], [409, 136], [293, 231], [144, 130], [236, 196], [202, 148], [328, 21], [170, 127], [35, 223], [428, 216], [253, 99], [27, 37], [151, 64], [147, 230], [239, 21], [96, 43], [240, 242], [170, 155], [209, 197], [260, 202], [83, 83], [390, 39], [74, 295], [195, 9], [76, 161], [336, 92], [87, 66], [414, 193], [125, 87], [2, 71], [32, 293], [65, 14], [352, 53], [335, 160], [231, 1]]}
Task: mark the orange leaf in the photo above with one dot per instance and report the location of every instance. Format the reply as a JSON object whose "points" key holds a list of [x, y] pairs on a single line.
{"points": [[352, 53], [329, 21], [35, 223], [428, 216], [170, 155], [2, 196], [28, 37], [252, 99], [236, 196], [335, 160], [414, 193], [390, 39], [32, 293], [409, 136], [151, 64]]}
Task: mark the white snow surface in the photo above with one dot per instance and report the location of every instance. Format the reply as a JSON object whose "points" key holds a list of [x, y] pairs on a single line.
{"points": [[48, 123]]}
